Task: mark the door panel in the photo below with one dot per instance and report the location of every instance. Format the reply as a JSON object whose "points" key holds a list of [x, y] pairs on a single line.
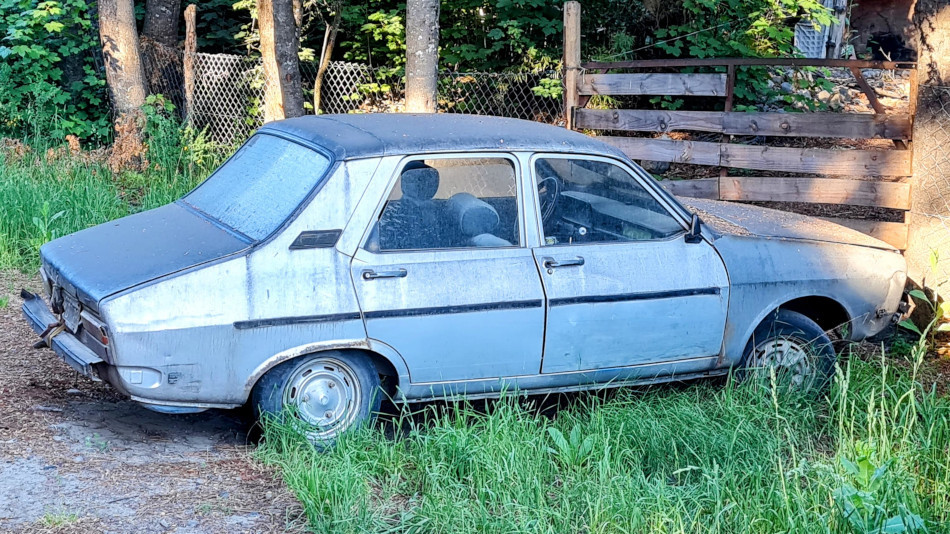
{"points": [[455, 315], [631, 304], [623, 286], [443, 277]]}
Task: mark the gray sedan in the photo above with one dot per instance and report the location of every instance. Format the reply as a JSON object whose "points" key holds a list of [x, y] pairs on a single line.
{"points": [[337, 260]]}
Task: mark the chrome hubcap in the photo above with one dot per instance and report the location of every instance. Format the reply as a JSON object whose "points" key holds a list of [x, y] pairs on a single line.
{"points": [[326, 395], [790, 358]]}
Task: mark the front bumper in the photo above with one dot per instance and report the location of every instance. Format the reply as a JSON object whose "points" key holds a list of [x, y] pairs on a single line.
{"points": [[65, 345]]}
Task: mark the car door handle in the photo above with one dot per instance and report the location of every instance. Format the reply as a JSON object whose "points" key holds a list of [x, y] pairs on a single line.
{"points": [[369, 274], [551, 263]]}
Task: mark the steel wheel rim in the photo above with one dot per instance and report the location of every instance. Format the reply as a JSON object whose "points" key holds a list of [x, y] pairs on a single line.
{"points": [[790, 358], [326, 395]]}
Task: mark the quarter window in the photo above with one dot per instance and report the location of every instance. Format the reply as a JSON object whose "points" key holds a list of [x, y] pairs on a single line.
{"points": [[450, 203], [589, 201]]}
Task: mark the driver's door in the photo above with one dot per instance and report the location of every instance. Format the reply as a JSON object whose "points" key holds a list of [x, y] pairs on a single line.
{"points": [[623, 286]]}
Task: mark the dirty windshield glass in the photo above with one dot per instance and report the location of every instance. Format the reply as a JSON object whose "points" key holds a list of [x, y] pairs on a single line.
{"points": [[261, 185]]}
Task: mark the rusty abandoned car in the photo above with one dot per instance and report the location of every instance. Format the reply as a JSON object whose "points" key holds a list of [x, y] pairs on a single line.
{"points": [[336, 260]]}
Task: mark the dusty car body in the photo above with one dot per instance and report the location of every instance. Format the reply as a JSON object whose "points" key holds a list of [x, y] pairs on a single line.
{"points": [[460, 255]]}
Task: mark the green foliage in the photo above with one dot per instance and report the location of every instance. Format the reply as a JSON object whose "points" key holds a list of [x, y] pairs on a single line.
{"points": [[549, 88], [870, 457], [45, 194], [741, 28], [48, 82], [573, 451]]}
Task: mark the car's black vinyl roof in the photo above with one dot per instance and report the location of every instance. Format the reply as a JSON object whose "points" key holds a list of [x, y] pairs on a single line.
{"points": [[365, 135]]}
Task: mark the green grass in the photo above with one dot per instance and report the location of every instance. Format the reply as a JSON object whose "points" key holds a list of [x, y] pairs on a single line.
{"points": [[42, 199], [707, 457]]}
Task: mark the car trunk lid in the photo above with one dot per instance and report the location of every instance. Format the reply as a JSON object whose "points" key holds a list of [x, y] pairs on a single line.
{"points": [[100, 261]]}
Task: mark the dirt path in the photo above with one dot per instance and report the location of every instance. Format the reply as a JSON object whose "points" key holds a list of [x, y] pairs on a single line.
{"points": [[77, 457]]}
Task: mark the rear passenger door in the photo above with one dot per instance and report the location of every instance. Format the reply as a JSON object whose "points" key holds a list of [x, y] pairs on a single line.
{"points": [[443, 276]]}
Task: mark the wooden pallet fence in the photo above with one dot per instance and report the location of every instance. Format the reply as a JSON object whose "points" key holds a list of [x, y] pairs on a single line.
{"points": [[870, 178], [821, 124]]}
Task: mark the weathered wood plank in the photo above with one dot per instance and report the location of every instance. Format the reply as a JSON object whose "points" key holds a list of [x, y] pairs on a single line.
{"points": [[698, 188], [642, 120], [695, 152], [654, 83], [816, 190], [572, 59], [748, 61], [892, 233], [817, 160], [840, 125]]}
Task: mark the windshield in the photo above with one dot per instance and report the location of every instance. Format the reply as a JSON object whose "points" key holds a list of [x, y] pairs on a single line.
{"points": [[261, 185]]}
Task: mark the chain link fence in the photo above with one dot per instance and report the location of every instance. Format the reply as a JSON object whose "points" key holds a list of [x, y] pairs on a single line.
{"points": [[229, 92]]}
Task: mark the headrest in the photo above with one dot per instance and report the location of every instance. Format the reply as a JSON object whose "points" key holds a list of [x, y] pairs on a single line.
{"points": [[472, 215], [419, 181]]}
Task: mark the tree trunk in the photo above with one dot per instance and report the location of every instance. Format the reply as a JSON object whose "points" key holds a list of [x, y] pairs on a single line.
{"points": [[283, 96], [161, 21], [120, 53], [329, 40], [422, 55], [930, 211]]}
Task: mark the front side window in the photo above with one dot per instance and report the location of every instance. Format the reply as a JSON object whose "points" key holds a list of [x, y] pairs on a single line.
{"points": [[261, 185], [450, 203], [590, 201]]}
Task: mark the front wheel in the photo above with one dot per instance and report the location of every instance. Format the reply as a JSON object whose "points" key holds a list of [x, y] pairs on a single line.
{"points": [[327, 393], [793, 349]]}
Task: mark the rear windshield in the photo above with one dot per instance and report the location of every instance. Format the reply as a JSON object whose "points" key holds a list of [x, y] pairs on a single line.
{"points": [[261, 185]]}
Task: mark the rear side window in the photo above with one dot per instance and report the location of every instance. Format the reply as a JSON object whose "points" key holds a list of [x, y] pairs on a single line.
{"points": [[261, 185], [450, 203]]}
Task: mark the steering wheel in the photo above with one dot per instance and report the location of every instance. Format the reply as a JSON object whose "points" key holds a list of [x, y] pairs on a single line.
{"points": [[549, 189]]}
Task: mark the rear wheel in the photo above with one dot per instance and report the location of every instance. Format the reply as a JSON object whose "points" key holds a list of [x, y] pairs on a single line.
{"points": [[793, 349], [327, 393]]}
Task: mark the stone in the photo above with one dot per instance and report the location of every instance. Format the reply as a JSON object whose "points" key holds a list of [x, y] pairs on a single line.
{"points": [[655, 167], [835, 101], [824, 96], [787, 87]]}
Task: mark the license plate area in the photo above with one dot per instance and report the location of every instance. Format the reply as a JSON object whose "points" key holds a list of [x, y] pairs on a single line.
{"points": [[71, 313]]}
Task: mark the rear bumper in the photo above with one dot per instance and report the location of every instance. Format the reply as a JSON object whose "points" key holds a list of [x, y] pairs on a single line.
{"points": [[65, 345]]}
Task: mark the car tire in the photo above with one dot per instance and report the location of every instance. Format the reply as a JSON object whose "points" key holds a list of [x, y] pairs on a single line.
{"points": [[327, 394], [795, 347]]}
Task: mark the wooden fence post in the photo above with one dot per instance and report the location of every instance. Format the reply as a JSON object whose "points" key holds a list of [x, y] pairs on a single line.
{"points": [[188, 63], [572, 58]]}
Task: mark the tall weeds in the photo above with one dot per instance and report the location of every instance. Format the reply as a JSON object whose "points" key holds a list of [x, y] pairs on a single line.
{"points": [[872, 456], [46, 191]]}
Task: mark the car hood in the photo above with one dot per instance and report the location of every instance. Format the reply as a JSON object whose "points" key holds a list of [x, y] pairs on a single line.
{"points": [[742, 219], [105, 259]]}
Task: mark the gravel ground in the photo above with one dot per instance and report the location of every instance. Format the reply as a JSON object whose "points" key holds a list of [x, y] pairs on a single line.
{"points": [[75, 456]]}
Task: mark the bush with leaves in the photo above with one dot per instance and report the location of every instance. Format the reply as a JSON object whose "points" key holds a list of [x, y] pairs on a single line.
{"points": [[49, 85], [743, 28]]}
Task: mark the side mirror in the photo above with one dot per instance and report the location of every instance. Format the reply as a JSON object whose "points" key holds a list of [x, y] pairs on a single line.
{"points": [[695, 234]]}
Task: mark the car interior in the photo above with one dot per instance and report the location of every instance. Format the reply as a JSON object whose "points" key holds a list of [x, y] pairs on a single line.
{"points": [[594, 201], [429, 214], [581, 201]]}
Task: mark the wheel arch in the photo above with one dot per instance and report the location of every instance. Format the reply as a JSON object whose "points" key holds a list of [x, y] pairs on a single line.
{"points": [[388, 363], [827, 312], [830, 313]]}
